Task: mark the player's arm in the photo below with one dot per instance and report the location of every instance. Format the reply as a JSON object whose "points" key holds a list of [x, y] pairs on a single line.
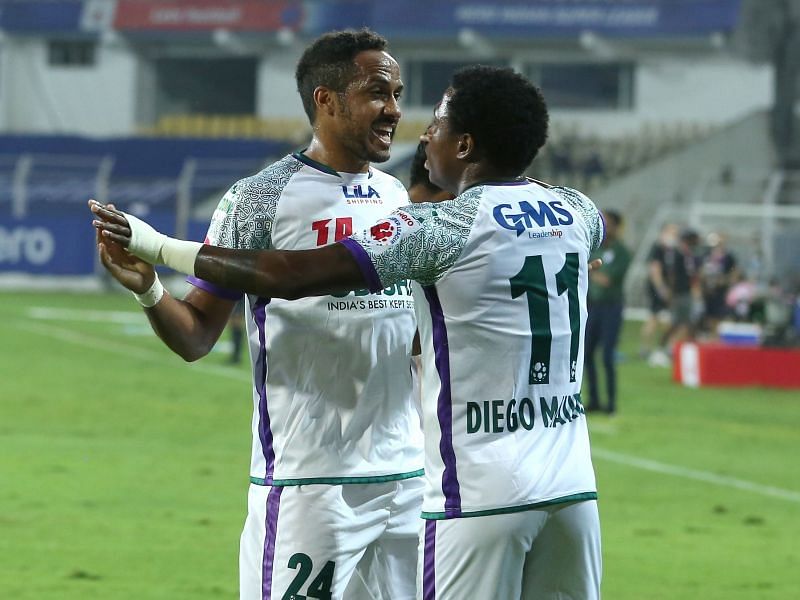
{"points": [[189, 327], [288, 274], [268, 273]]}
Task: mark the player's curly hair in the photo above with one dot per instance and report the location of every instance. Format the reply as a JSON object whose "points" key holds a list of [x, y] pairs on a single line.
{"points": [[329, 62], [505, 113]]}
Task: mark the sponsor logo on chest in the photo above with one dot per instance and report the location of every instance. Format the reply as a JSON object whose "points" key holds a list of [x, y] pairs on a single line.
{"points": [[524, 216], [359, 194]]}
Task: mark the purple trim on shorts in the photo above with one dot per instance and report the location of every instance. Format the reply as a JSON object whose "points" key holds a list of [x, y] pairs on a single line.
{"points": [[429, 562], [364, 263], [444, 410], [214, 289], [260, 381], [271, 527]]}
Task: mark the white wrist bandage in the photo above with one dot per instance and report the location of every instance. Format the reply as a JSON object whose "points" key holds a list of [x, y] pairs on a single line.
{"points": [[145, 242], [151, 296], [157, 248], [180, 254]]}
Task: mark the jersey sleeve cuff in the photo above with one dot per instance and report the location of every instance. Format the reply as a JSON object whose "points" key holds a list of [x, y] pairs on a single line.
{"points": [[215, 290], [602, 229], [364, 263]]}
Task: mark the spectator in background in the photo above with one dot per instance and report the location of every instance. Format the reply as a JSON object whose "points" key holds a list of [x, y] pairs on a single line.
{"points": [[561, 160], [659, 267], [684, 294], [717, 274], [741, 296], [605, 302], [778, 307], [593, 168], [681, 286]]}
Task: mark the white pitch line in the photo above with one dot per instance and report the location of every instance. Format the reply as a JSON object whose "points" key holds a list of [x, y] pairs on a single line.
{"points": [[704, 476], [95, 343]]}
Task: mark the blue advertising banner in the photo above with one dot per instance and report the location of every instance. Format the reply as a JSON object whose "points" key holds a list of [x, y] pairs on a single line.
{"points": [[41, 16], [549, 18], [407, 18], [146, 157], [63, 245], [321, 16]]}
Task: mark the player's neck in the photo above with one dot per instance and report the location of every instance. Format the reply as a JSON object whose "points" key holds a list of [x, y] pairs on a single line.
{"points": [[480, 176], [335, 158]]}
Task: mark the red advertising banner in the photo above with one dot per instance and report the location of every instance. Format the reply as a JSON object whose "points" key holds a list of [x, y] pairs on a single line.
{"points": [[198, 15]]}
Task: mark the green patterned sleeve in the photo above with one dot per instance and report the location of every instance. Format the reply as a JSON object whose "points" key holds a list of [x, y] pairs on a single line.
{"points": [[243, 218], [587, 209], [418, 241]]}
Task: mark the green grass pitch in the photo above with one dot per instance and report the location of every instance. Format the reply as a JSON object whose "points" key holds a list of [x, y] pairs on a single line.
{"points": [[123, 470]]}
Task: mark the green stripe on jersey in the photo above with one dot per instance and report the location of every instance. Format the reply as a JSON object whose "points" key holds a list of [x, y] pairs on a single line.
{"points": [[513, 509], [338, 480]]}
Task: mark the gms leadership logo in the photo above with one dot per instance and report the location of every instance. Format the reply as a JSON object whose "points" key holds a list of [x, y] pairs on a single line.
{"points": [[393, 227], [524, 216]]}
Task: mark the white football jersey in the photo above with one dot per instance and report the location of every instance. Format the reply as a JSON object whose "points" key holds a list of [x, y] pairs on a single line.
{"points": [[332, 390], [501, 310]]}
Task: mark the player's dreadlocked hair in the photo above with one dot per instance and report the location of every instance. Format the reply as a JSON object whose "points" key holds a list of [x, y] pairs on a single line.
{"points": [[504, 112], [329, 62]]}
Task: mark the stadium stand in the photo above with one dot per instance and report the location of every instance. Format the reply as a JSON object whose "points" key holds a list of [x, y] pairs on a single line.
{"points": [[229, 126]]}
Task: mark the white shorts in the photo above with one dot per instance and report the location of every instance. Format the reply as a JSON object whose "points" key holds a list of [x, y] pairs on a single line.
{"points": [[551, 553], [338, 542]]}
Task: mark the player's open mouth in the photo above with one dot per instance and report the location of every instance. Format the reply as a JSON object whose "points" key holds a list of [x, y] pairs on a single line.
{"points": [[384, 133]]}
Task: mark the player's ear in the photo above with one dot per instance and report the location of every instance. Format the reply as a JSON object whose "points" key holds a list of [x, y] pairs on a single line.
{"points": [[326, 100], [466, 146]]}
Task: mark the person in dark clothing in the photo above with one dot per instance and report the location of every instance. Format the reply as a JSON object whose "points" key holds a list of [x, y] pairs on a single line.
{"points": [[659, 262], [717, 274], [684, 289], [605, 304]]}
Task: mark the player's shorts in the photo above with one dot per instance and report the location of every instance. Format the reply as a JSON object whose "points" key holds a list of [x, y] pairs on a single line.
{"points": [[715, 305], [657, 303], [552, 553], [342, 542], [681, 309]]}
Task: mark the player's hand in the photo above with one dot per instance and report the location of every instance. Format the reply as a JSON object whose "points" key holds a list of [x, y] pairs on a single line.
{"points": [[133, 273], [595, 264], [110, 223], [600, 278], [128, 231]]}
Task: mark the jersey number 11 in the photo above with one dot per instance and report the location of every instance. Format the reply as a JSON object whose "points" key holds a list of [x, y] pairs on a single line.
{"points": [[532, 282]]}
